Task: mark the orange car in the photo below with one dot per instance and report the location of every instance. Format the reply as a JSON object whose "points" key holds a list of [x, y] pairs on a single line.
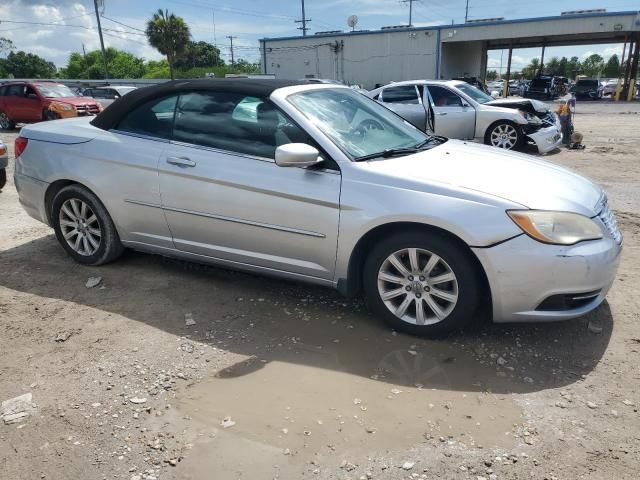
{"points": [[28, 102]]}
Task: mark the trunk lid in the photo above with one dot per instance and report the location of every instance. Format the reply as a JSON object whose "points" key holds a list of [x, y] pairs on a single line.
{"points": [[66, 131]]}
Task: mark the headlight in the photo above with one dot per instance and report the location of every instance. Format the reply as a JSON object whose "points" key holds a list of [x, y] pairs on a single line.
{"points": [[560, 228], [63, 106], [529, 117]]}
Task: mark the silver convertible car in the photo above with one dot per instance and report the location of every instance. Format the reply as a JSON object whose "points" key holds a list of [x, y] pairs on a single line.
{"points": [[456, 109], [321, 184]]}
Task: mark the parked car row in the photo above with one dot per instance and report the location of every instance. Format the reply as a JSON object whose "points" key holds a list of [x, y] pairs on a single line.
{"points": [[28, 102]]}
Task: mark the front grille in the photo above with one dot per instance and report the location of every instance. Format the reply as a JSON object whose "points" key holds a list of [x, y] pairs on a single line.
{"points": [[87, 109], [609, 220], [549, 120]]}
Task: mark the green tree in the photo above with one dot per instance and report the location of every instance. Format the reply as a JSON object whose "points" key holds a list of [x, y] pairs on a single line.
{"points": [[6, 46], [26, 65], [612, 68], [120, 64], [593, 65], [243, 66], [574, 67], [553, 66], [562, 67], [492, 75], [200, 54], [531, 70], [169, 34]]}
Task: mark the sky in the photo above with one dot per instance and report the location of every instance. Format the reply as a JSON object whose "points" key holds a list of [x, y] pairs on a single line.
{"points": [[124, 21]]}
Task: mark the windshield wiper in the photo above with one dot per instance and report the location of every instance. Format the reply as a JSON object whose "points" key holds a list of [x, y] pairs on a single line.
{"points": [[392, 152]]}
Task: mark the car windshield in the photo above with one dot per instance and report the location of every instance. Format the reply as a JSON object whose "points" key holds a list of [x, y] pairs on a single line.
{"points": [[125, 90], [55, 91], [587, 83], [474, 92], [540, 83], [358, 125]]}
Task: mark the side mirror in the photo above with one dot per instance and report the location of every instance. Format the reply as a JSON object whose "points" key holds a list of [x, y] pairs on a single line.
{"points": [[495, 94], [297, 155], [32, 96]]}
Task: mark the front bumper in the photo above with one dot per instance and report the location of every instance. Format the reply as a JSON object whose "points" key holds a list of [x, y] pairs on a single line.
{"points": [[547, 139], [522, 273]]}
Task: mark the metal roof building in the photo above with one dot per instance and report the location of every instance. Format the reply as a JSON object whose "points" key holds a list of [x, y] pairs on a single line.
{"points": [[402, 53]]}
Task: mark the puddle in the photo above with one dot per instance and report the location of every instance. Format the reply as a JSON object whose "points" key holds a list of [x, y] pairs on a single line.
{"points": [[289, 414]]}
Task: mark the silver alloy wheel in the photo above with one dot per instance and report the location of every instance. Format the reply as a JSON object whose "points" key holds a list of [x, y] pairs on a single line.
{"points": [[418, 286], [80, 227], [5, 123], [504, 136]]}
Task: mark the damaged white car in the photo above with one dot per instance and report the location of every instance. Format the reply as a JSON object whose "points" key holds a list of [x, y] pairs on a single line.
{"points": [[455, 109]]}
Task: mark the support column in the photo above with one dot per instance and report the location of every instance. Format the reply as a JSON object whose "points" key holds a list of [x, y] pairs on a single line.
{"points": [[633, 75], [627, 69], [544, 47], [616, 94], [508, 75]]}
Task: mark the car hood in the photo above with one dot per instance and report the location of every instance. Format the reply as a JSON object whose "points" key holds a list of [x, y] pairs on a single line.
{"points": [[75, 101], [516, 177], [537, 105]]}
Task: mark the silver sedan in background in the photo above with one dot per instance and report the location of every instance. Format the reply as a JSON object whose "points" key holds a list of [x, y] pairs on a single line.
{"points": [[321, 184], [462, 111]]}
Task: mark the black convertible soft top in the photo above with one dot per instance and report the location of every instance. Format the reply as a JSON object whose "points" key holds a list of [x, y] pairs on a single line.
{"points": [[112, 115]]}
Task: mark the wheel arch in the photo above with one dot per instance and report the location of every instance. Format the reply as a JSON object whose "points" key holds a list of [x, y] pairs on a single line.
{"points": [[352, 285], [58, 185], [519, 127]]}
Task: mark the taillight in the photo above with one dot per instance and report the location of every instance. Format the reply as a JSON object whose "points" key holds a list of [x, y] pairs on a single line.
{"points": [[20, 145]]}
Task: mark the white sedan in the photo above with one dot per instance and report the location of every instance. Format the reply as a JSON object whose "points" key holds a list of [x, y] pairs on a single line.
{"points": [[456, 109]]}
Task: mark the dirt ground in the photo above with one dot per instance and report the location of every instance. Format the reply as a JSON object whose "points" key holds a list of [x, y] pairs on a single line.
{"points": [[278, 380]]}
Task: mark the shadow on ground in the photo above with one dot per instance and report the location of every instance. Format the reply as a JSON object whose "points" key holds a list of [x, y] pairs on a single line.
{"points": [[273, 320]]}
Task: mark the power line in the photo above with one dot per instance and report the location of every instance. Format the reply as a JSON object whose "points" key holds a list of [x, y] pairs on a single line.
{"points": [[123, 24], [410, 2], [303, 21], [104, 54], [231, 37]]}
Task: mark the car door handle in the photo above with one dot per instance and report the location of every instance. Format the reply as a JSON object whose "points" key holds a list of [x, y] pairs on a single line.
{"points": [[181, 161], [441, 113]]}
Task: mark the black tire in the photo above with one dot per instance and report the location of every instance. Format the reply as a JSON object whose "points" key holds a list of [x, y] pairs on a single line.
{"points": [[3, 178], [520, 137], [5, 122], [460, 263], [110, 246], [49, 115]]}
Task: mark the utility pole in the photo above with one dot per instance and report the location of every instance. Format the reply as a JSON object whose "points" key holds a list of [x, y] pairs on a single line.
{"points": [[410, 2], [304, 21], [231, 37], [104, 55], [466, 12]]}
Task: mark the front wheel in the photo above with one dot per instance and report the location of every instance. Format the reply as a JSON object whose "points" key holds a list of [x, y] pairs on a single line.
{"points": [[421, 283], [6, 123], [83, 227], [504, 134], [49, 115]]}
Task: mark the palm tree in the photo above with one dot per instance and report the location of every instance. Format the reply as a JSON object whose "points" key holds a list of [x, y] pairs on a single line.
{"points": [[169, 35]]}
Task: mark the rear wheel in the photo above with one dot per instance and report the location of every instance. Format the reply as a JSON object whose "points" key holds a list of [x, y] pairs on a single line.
{"points": [[421, 283], [3, 178], [5, 122], [83, 227], [504, 134]]}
